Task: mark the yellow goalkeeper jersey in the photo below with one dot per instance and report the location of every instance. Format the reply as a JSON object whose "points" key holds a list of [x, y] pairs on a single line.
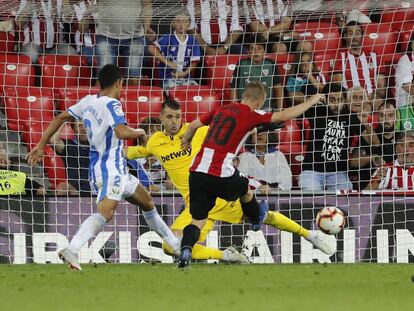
{"points": [[167, 149]]}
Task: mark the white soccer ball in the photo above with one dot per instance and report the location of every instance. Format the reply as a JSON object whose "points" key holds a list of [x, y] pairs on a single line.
{"points": [[330, 220]]}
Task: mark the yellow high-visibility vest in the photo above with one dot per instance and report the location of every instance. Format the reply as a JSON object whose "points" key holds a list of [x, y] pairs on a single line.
{"points": [[12, 182]]}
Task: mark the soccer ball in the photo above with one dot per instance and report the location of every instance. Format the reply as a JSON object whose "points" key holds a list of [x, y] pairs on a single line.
{"points": [[330, 220]]}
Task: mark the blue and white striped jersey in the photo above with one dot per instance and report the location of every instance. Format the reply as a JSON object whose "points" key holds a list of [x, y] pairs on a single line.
{"points": [[100, 116]]}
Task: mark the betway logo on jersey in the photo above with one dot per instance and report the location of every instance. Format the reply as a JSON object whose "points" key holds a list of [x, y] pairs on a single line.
{"points": [[176, 154]]}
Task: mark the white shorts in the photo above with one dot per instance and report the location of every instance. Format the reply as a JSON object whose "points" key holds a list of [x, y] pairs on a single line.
{"points": [[116, 187]]}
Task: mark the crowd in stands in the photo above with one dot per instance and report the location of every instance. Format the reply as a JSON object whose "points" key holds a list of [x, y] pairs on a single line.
{"points": [[360, 138]]}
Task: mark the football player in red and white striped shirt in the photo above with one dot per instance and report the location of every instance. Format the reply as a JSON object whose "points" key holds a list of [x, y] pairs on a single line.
{"points": [[400, 174], [354, 68], [213, 175]]}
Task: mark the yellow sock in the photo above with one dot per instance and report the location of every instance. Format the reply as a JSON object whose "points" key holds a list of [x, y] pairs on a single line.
{"points": [[280, 221], [204, 252], [199, 252]]}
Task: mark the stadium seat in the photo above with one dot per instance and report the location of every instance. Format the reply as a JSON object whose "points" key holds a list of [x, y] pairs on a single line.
{"points": [[283, 63], [381, 39], [293, 140], [141, 102], [24, 104], [195, 100], [219, 71], [16, 70], [52, 163], [60, 71], [397, 17], [324, 36], [66, 98], [6, 42]]}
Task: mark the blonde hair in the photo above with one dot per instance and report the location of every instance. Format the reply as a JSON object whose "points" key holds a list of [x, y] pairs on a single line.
{"points": [[254, 91]]}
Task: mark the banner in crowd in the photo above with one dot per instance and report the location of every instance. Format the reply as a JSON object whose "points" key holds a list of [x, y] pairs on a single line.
{"points": [[379, 229]]}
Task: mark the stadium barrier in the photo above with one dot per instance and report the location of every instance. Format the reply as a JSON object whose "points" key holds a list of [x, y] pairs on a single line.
{"points": [[379, 229]]}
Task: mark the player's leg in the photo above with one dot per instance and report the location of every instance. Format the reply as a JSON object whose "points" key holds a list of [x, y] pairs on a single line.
{"points": [[89, 228], [142, 198]]}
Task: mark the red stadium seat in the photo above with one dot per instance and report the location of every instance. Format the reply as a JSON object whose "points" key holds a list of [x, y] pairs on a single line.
{"points": [[397, 17], [293, 140], [16, 70], [59, 71], [381, 39], [52, 163], [141, 102], [66, 98], [219, 71], [26, 104], [195, 100], [6, 42], [405, 34], [283, 63], [324, 36]]}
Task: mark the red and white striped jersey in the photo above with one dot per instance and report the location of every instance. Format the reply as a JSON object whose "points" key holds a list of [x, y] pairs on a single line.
{"points": [[216, 18], [397, 178], [267, 12], [230, 126], [44, 27], [362, 70]]}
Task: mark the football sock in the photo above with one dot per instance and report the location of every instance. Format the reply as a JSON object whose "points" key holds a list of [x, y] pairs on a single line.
{"points": [[156, 224], [280, 221], [89, 228], [251, 210], [204, 252], [191, 234]]}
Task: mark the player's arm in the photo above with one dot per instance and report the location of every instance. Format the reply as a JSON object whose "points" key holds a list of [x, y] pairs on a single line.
{"points": [[135, 152], [298, 110], [123, 131], [189, 133], [36, 154]]}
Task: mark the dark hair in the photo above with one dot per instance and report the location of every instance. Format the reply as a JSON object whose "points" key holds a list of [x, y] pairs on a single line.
{"points": [[170, 103], [334, 88], [354, 23], [386, 104], [256, 39], [409, 47], [108, 75], [149, 121]]}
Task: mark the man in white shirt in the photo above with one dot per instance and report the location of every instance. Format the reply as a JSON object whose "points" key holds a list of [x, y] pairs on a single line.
{"points": [[404, 77], [266, 164]]}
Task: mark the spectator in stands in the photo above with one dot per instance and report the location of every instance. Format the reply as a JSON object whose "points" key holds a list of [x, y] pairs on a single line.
{"points": [[405, 114], [121, 28], [41, 28], [265, 163], [178, 54], [258, 68], [304, 78], [404, 77], [272, 22], [356, 96], [397, 175], [254, 184], [228, 37], [332, 127], [368, 154], [14, 178], [354, 68], [75, 153]]}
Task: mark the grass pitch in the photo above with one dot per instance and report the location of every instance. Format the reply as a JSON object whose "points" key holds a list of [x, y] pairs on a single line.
{"points": [[335, 287]]}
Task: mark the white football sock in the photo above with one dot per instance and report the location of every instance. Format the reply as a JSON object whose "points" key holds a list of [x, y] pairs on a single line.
{"points": [[89, 228], [160, 227]]}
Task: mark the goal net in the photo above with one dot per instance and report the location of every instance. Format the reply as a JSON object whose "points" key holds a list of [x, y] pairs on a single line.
{"points": [[354, 150]]}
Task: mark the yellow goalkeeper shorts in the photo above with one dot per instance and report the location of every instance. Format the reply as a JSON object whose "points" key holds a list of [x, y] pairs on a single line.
{"points": [[230, 212]]}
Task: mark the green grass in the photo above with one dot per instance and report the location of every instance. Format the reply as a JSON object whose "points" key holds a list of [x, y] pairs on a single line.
{"points": [[208, 287]]}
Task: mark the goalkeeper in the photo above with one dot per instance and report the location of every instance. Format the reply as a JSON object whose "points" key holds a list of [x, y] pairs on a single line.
{"points": [[166, 147]]}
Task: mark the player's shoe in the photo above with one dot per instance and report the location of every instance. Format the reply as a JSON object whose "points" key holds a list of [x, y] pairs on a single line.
{"points": [[232, 255], [70, 259], [263, 209], [318, 239], [185, 258]]}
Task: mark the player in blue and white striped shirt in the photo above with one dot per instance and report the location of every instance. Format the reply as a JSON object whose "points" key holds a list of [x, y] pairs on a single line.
{"points": [[106, 128]]}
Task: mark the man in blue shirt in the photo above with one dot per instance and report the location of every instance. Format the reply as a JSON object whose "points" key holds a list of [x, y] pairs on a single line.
{"points": [[178, 54]]}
